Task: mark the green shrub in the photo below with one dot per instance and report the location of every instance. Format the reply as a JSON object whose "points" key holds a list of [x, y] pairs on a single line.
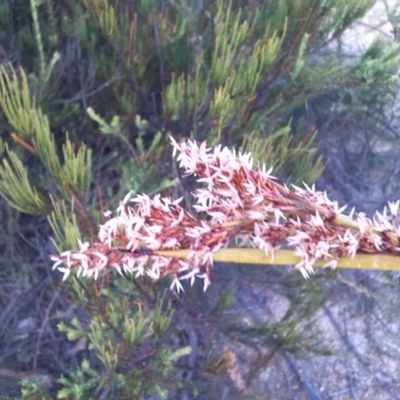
{"points": [[93, 89]]}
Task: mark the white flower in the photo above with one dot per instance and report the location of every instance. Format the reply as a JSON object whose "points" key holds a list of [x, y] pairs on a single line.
{"points": [[206, 280], [278, 215], [322, 250], [381, 222], [57, 261], [190, 275], [316, 220], [176, 284], [394, 207], [350, 242], [65, 271], [83, 246]]}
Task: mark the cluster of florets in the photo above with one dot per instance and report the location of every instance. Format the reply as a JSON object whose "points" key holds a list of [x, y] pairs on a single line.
{"points": [[236, 201]]}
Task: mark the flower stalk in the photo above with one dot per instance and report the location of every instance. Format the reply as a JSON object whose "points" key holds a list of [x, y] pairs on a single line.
{"points": [[240, 206], [378, 261]]}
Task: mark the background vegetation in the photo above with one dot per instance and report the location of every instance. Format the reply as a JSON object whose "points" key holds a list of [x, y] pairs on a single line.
{"points": [[89, 92]]}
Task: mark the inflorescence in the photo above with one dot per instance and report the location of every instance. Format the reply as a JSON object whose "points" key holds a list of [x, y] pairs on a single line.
{"points": [[235, 201]]}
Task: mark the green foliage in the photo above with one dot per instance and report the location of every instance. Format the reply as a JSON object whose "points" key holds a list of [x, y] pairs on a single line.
{"points": [[228, 71], [64, 224], [296, 333], [45, 69], [33, 390], [16, 188], [284, 152], [17, 104], [379, 64], [136, 171], [81, 383], [128, 341], [71, 176], [66, 207], [224, 300], [217, 70]]}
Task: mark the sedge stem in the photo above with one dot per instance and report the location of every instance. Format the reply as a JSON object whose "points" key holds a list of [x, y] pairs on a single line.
{"points": [[375, 261]]}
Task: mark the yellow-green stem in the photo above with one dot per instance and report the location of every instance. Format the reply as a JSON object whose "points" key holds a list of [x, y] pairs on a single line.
{"points": [[376, 261], [343, 220], [338, 220]]}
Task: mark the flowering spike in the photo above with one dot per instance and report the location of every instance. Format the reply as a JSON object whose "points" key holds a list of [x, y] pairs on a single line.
{"points": [[238, 202]]}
